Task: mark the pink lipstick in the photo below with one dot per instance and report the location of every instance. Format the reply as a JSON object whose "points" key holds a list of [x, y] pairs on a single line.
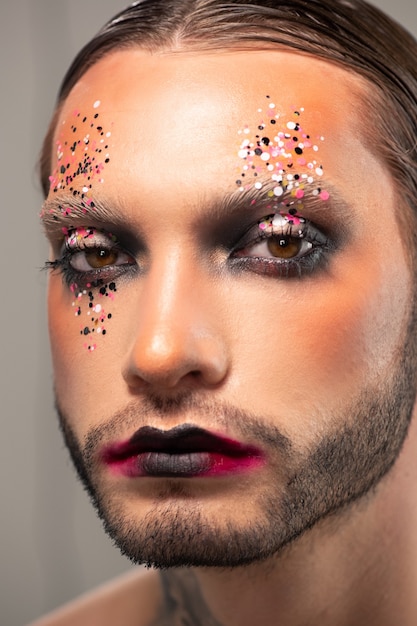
{"points": [[185, 451]]}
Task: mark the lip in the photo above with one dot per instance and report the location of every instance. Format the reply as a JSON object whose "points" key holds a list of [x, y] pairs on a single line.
{"points": [[186, 451]]}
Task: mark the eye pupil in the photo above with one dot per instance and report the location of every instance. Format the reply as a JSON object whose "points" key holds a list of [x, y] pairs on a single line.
{"points": [[284, 247], [100, 257]]}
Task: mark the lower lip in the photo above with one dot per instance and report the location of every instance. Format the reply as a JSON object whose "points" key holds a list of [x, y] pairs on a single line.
{"points": [[187, 465]]}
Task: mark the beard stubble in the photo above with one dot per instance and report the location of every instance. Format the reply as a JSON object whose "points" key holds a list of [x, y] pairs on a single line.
{"points": [[337, 471]]}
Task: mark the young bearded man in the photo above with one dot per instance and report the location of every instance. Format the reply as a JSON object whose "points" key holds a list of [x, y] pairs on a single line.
{"points": [[230, 202]]}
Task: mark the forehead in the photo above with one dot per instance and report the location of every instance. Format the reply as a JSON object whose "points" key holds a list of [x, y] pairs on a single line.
{"points": [[211, 86], [174, 118]]}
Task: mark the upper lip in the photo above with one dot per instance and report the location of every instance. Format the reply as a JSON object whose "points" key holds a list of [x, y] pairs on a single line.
{"points": [[182, 439]]}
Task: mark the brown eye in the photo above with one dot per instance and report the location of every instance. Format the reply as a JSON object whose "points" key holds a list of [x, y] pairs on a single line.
{"points": [[284, 247], [97, 258], [100, 257]]}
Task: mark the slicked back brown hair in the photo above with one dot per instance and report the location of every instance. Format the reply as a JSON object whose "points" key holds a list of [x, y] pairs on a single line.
{"points": [[350, 33]]}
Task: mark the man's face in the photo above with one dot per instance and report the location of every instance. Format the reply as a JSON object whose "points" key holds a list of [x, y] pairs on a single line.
{"points": [[233, 275]]}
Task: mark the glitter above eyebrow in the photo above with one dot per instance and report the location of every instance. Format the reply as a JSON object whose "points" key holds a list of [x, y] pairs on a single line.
{"points": [[283, 152], [82, 158]]}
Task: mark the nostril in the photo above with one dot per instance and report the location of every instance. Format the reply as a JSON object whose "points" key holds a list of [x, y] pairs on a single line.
{"points": [[176, 356]]}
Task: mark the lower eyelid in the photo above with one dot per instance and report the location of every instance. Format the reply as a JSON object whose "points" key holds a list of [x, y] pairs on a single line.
{"points": [[102, 275], [300, 267]]}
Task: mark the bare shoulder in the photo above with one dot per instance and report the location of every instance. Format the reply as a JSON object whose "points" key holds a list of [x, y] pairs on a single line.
{"points": [[133, 599]]}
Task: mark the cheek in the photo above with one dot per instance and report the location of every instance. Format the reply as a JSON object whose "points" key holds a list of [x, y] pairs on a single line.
{"points": [[317, 345], [82, 334]]}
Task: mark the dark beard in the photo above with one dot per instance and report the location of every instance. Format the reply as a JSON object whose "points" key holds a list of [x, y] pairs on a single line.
{"points": [[340, 469]]}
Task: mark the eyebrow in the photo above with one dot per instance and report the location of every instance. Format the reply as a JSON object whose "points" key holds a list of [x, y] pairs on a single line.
{"points": [[63, 210], [252, 201], [67, 210]]}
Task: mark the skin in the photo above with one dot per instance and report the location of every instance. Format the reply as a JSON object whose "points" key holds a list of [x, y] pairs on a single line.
{"points": [[177, 328]]}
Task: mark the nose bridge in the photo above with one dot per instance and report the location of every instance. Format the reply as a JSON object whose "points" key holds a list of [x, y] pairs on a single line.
{"points": [[167, 299], [173, 330]]}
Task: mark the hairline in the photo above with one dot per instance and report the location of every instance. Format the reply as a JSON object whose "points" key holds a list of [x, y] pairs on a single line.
{"points": [[363, 89]]}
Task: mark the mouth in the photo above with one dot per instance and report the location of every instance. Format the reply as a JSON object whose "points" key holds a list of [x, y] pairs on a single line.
{"points": [[185, 451]]}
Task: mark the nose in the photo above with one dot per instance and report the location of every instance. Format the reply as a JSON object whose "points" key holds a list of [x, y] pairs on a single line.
{"points": [[176, 336]]}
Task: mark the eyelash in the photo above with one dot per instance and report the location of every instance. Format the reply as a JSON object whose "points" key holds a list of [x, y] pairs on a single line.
{"points": [[285, 228], [79, 245], [239, 259]]}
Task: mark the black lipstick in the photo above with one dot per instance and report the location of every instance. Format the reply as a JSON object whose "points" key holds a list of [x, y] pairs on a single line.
{"points": [[184, 451]]}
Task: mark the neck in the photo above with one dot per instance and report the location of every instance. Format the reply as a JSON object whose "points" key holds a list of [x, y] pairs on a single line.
{"points": [[358, 567]]}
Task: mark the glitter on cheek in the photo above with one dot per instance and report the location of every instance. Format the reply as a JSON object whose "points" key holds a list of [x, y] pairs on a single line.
{"points": [[91, 302], [91, 307]]}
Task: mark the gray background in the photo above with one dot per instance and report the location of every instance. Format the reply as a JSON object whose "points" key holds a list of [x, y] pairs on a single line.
{"points": [[51, 546]]}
